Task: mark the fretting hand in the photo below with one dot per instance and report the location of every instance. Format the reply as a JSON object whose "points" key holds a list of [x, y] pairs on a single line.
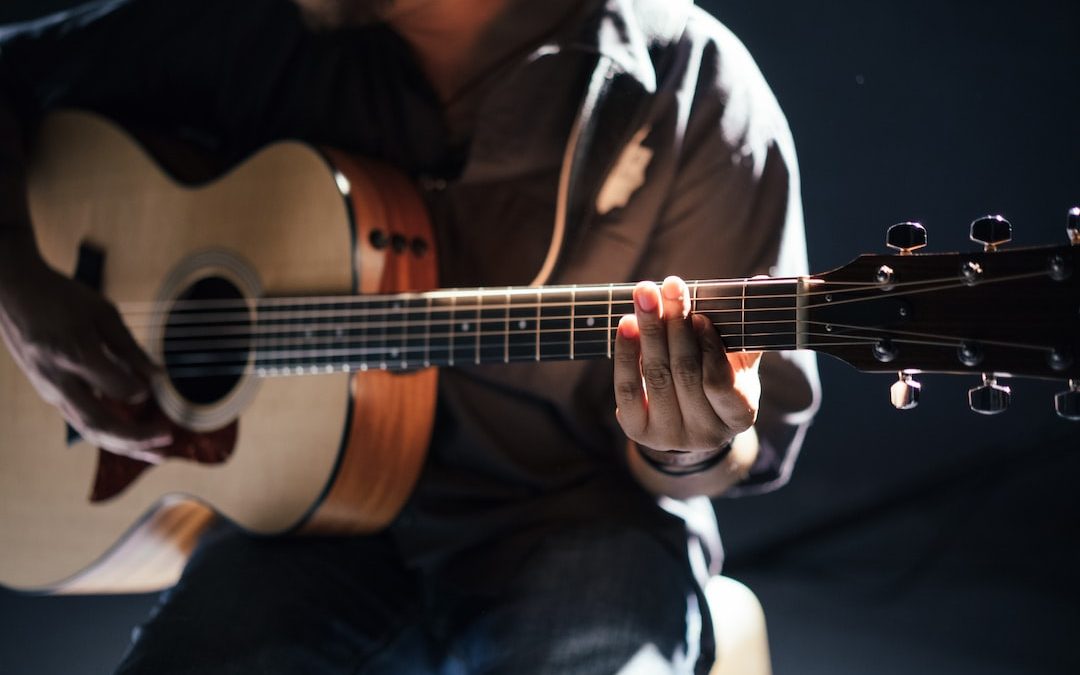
{"points": [[679, 394]]}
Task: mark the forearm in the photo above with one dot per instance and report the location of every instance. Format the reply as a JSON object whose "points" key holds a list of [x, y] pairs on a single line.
{"points": [[712, 482]]}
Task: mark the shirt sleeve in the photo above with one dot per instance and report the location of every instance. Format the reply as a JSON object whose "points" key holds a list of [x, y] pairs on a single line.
{"points": [[735, 210]]}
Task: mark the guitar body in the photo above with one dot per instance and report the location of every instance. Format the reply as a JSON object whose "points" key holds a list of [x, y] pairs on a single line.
{"points": [[338, 452]]}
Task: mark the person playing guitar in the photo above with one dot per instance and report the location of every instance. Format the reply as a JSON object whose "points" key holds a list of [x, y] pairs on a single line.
{"points": [[533, 540]]}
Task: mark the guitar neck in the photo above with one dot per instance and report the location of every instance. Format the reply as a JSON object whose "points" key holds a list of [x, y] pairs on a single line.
{"points": [[499, 325]]}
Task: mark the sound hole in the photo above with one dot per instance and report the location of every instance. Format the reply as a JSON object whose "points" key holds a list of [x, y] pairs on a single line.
{"points": [[207, 337]]}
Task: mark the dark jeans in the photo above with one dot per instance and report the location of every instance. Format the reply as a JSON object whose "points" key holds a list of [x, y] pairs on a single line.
{"points": [[580, 599]]}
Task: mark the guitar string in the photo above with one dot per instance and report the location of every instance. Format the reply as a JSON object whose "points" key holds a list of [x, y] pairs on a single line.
{"points": [[403, 310], [298, 304], [394, 363], [476, 348], [335, 334], [382, 347], [311, 346], [150, 306], [504, 320], [960, 340], [274, 331]]}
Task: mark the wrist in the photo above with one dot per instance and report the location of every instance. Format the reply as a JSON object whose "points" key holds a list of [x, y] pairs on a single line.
{"points": [[675, 463]]}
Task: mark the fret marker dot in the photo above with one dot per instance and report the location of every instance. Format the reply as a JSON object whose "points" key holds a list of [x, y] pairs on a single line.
{"points": [[590, 322], [523, 324], [397, 305], [465, 326], [394, 352], [338, 332]]}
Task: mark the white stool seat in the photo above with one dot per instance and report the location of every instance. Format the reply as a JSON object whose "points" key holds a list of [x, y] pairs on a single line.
{"points": [[742, 644]]}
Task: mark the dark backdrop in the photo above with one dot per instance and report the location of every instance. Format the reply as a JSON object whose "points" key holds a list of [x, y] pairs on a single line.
{"points": [[933, 540]]}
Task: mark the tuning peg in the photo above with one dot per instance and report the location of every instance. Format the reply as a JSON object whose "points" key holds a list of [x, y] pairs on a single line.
{"points": [[1067, 403], [991, 232], [904, 393], [1072, 225], [906, 237], [990, 398]]}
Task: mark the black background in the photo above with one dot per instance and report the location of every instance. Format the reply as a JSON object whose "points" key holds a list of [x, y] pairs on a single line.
{"points": [[932, 540]]}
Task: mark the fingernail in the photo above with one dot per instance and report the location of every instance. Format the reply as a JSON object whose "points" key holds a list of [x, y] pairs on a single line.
{"points": [[645, 298], [627, 327], [672, 289]]}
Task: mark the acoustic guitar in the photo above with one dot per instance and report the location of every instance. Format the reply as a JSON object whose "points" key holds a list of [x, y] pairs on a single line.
{"points": [[290, 303]]}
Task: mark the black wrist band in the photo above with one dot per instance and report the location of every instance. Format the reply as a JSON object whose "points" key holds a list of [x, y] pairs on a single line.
{"points": [[686, 469]]}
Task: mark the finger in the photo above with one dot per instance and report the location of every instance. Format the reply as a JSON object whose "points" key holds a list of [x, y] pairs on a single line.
{"points": [[630, 402], [123, 345], [663, 409], [101, 426], [105, 373], [703, 428], [734, 409]]}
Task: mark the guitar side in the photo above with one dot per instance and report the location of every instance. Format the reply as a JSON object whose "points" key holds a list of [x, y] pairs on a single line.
{"points": [[332, 453]]}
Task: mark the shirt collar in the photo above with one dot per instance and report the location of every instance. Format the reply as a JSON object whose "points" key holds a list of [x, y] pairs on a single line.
{"points": [[624, 30]]}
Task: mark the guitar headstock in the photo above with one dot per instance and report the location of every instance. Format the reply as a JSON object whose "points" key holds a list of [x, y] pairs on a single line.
{"points": [[991, 313]]}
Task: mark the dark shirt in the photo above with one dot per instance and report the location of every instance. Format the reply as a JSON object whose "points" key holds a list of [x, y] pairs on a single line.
{"points": [[520, 445]]}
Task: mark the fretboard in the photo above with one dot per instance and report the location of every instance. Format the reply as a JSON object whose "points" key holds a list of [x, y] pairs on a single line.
{"points": [[482, 326]]}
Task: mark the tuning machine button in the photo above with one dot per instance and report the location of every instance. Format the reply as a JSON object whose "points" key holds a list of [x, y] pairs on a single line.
{"points": [[991, 232], [906, 237], [904, 393], [1067, 403], [990, 398], [1072, 225]]}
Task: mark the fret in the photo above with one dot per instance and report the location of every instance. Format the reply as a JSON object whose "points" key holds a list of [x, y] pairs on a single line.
{"points": [[441, 337], [260, 344], [427, 331], [414, 333], [465, 342], [770, 314], [348, 332], [374, 344], [573, 307], [506, 327], [537, 328], [491, 333], [269, 326], [609, 337], [321, 337], [742, 318], [722, 303], [555, 326], [622, 304], [590, 322], [393, 334], [522, 335]]}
